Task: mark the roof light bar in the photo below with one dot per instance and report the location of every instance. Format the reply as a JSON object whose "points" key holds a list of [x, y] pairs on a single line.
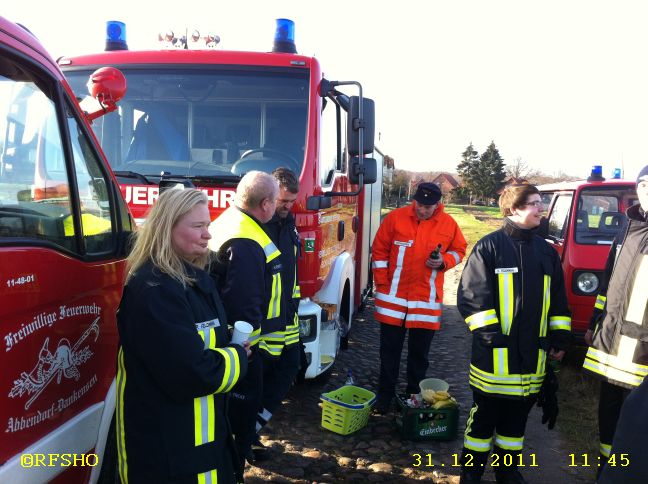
{"points": [[115, 35], [284, 40]]}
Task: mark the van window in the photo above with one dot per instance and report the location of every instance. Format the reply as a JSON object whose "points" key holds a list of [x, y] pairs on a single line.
{"points": [[558, 217], [34, 188], [93, 193], [546, 198], [600, 216]]}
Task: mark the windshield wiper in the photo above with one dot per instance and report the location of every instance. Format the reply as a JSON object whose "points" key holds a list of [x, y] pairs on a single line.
{"points": [[227, 180], [133, 174]]}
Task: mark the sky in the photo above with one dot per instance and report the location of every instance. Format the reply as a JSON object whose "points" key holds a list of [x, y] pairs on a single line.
{"points": [[560, 84]]}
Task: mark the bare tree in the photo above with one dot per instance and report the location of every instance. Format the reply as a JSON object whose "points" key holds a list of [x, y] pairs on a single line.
{"points": [[520, 169]]}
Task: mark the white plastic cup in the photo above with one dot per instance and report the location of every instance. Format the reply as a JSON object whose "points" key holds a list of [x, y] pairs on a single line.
{"points": [[241, 333]]}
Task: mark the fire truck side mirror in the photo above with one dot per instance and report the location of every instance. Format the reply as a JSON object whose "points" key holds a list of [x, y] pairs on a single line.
{"points": [[368, 168], [356, 123], [318, 202]]}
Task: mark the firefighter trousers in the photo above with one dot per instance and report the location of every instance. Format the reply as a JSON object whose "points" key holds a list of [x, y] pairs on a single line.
{"points": [[498, 423], [391, 346], [244, 405], [278, 376], [611, 399]]}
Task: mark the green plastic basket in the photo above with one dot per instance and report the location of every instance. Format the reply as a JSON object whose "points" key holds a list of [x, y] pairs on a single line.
{"points": [[346, 410]]}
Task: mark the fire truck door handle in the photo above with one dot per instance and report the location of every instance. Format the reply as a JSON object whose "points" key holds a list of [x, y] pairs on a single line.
{"points": [[341, 230]]}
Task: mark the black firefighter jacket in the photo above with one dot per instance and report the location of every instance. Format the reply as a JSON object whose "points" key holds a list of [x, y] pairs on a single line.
{"points": [[512, 296], [285, 236], [248, 269], [174, 372], [619, 352]]}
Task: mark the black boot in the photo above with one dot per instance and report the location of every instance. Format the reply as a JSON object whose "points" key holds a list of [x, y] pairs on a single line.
{"points": [[469, 477], [509, 476], [472, 466], [383, 404]]}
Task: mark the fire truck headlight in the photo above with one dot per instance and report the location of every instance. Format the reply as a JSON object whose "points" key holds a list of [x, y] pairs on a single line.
{"points": [[587, 282], [307, 327]]}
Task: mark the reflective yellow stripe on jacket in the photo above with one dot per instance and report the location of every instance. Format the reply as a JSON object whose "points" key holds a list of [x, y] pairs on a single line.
{"points": [[600, 302], [481, 319], [119, 418], [292, 331], [619, 368], [291, 335], [506, 300]]}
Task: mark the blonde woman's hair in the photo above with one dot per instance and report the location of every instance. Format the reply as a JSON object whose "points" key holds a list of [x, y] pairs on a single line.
{"points": [[254, 187], [515, 196], [154, 242]]}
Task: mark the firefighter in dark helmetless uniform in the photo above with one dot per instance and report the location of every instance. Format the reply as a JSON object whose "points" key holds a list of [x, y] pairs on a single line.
{"points": [[280, 374], [175, 365], [248, 268], [619, 325], [512, 296]]}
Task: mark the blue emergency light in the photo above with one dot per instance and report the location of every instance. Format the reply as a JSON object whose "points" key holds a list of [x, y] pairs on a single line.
{"points": [[284, 39], [116, 35], [596, 174], [616, 174]]}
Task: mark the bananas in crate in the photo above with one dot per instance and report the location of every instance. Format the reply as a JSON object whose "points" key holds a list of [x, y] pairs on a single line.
{"points": [[438, 399]]}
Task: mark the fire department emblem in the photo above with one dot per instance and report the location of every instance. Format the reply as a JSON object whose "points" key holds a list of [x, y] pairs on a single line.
{"points": [[62, 362]]}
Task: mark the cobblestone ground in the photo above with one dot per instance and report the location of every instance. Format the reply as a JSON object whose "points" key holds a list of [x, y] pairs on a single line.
{"points": [[304, 452]]}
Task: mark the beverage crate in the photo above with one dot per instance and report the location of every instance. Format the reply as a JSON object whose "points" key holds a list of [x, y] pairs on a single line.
{"points": [[426, 423]]}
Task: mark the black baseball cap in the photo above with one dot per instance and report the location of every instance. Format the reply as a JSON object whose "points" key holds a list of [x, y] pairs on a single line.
{"points": [[427, 193]]}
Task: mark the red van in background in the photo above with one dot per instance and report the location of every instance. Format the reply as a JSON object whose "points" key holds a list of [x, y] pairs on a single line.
{"points": [[583, 218]]}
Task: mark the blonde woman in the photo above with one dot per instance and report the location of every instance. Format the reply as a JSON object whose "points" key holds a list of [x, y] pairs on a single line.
{"points": [[174, 363]]}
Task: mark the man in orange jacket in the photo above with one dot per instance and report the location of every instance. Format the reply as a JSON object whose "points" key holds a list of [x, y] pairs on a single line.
{"points": [[409, 284]]}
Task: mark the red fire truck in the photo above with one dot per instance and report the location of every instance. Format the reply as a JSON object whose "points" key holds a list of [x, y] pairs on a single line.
{"points": [[583, 218], [203, 117], [63, 232]]}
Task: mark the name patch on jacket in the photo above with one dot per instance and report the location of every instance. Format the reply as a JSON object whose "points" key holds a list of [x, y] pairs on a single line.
{"points": [[404, 243], [506, 270], [214, 323]]}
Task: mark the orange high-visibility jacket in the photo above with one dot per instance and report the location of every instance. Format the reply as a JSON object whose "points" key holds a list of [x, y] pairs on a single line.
{"points": [[406, 289]]}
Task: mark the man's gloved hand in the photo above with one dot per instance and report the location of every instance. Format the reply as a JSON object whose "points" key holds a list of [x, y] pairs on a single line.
{"points": [[548, 398], [492, 339]]}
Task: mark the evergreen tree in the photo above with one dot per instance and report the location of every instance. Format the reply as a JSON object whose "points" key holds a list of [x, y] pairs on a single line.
{"points": [[468, 169], [490, 174]]}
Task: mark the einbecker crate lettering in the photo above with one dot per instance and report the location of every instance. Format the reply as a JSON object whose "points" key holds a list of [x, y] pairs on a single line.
{"points": [[426, 423]]}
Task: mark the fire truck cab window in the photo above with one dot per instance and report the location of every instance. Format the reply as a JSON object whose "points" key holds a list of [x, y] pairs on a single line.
{"points": [[204, 122], [94, 199], [600, 216], [34, 185], [330, 150], [558, 217]]}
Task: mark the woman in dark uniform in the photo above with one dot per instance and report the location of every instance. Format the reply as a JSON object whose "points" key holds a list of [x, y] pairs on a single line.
{"points": [[175, 364]]}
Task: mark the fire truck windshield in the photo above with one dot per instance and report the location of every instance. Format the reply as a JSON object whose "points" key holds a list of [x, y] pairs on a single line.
{"points": [[205, 123]]}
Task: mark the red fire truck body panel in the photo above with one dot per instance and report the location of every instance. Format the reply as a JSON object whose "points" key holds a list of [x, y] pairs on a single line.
{"points": [[62, 253]]}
